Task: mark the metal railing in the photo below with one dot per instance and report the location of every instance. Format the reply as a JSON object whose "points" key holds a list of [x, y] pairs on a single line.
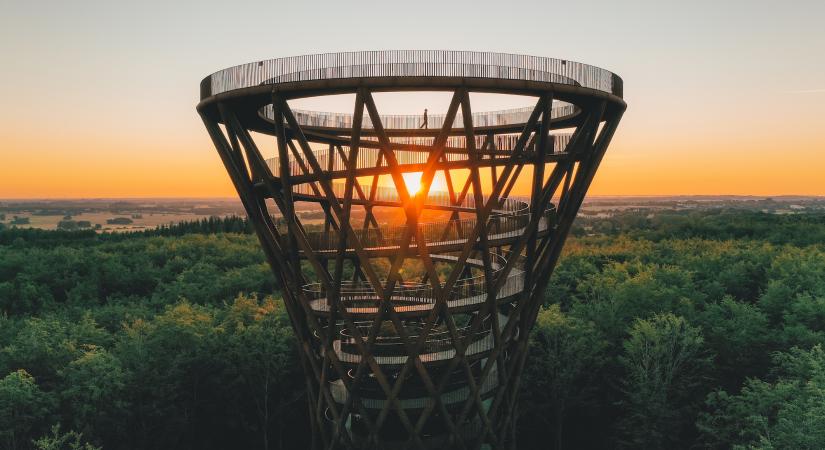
{"points": [[415, 297], [508, 219], [393, 352], [393, 345], [410, 63], [432, 233], [456, 392], [369, 157], [359, 297], [323, 119], [509, 205]]}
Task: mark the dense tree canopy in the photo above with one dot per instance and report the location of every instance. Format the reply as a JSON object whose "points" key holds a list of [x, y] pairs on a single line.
{"points": [[674, 329]]}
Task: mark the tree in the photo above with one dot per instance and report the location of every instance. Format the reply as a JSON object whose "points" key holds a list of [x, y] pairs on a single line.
{"points": [[613, 298], [786, 413], [804, 321], [566, 356], [93, 394], [71, 440], [261, 346], [663, 360], [739, 333], [43, 346], [23, 408], [171, 358]]}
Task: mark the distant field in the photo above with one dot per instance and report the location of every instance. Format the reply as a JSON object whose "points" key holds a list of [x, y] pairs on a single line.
{"points": [[150, 213], [145, 221]]}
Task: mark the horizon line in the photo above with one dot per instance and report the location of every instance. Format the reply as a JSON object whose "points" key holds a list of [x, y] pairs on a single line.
{"points": [[235, 199]]}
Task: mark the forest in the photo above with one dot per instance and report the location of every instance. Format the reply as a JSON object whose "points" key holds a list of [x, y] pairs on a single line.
{"points": [[673, 329]]}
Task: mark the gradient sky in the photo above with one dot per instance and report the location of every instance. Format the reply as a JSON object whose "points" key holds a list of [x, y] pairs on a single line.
{"points": [[98, 97]]}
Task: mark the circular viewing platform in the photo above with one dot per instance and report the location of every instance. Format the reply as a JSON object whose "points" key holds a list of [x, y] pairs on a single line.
{"points": [[363, 65], [251, 85]]}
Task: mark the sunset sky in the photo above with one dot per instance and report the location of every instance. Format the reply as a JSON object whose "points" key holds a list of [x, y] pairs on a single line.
{"points": [[98, 97]]}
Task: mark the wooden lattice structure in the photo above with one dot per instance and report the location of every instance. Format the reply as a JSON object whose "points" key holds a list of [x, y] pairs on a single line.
{"points": [[413, 335]]}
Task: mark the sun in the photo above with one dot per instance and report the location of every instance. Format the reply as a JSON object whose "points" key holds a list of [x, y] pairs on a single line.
{"points": [[413, 182]]}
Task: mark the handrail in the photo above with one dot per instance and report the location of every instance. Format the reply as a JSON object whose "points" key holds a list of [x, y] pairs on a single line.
{"points": [[412, 293], [458, 393], [410, 63], [432, 233], [508, 205], [323, 119], [369, 157], [436, 350], [508, 219], [464, 294], [360, 297]]}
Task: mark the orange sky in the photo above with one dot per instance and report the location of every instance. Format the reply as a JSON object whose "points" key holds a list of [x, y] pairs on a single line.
{"points": [[98, 98], [757, 155]]}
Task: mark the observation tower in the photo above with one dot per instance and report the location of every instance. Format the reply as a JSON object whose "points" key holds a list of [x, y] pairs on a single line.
{"points": [[414, 295]]}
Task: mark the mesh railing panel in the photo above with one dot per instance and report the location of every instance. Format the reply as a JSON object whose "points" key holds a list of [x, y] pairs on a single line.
{"points": [[515, 116], [410, 63], [368, 157]]}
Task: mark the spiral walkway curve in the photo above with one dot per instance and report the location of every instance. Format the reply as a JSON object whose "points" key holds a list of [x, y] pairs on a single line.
{"points": [[412, 305]]}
